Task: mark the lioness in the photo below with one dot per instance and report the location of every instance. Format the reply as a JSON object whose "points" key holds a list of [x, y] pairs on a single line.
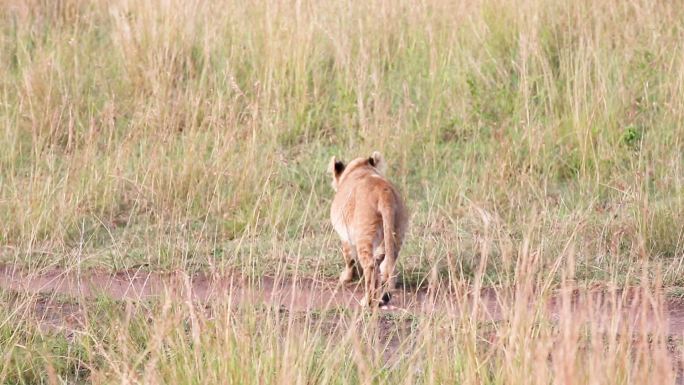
{"points": [[370, 218]]}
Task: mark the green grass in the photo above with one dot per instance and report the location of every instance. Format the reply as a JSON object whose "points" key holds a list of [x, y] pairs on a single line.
{"points": [[195, 135]]}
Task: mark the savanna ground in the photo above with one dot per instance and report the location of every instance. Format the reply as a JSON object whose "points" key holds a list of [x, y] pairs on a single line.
{"points": [[164, 202]]}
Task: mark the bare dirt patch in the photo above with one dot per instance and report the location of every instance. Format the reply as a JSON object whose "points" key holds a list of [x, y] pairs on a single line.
{"points": [[628, 310]]}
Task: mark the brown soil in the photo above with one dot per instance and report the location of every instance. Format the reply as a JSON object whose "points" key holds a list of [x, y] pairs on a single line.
{"points": [[636, 310]]}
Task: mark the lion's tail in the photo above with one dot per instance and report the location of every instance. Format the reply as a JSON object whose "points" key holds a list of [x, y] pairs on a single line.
{"points": [[389, 227], [389, 218], [393, 232]]}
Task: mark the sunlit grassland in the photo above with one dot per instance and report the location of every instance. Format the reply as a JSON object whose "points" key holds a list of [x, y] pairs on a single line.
{"points": [[173, 340], [182, 134], [194, 136]]}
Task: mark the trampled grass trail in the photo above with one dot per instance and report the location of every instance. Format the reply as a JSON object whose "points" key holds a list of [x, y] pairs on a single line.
{"points": [[634, 309]]}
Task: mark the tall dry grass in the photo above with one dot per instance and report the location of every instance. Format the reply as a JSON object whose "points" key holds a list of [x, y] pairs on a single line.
{"points": [[177, 133], [539, 145], [537, 336], [173, 133]]}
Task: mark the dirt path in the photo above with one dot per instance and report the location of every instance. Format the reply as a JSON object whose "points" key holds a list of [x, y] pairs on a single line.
{"points": [[634, 311]]}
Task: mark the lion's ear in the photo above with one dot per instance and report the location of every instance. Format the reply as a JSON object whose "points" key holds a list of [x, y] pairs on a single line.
{"points": [[376, 160], [335, 167]]}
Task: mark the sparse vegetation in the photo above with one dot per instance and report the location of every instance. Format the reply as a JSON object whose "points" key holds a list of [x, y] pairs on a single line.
{"points": [[539, 145]]}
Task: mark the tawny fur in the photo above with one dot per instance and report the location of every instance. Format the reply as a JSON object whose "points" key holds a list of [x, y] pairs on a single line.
{"points": [[369, 216]]}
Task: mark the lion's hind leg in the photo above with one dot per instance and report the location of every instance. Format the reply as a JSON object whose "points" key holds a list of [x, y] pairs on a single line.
{"points": [[350, 264], [370, 272]]}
